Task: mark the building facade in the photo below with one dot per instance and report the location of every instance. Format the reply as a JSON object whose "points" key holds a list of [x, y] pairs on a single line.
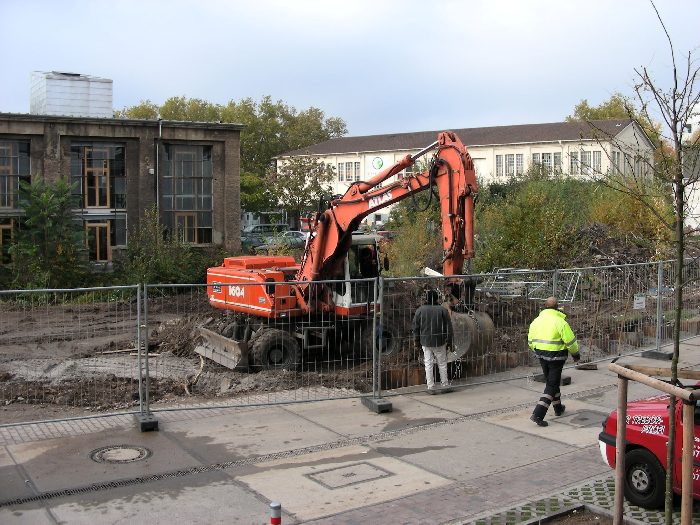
{"points": [[119, 168], [499, 153]]}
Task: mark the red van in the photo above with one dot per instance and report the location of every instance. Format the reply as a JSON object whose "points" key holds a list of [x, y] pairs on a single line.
{"points": [[645, 450]]}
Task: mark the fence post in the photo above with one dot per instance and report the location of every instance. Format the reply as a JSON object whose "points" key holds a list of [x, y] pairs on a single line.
{"points": [[376, 403], [555, 282], [659, 310], [145, 418], [138, 344]]}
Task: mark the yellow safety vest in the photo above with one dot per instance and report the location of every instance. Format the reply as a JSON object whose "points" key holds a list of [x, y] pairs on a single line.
{"points": [[551, 337]]}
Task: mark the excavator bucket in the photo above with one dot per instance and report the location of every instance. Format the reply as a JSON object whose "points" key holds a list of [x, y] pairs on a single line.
{"points": [[472, 335], [227, 352]]}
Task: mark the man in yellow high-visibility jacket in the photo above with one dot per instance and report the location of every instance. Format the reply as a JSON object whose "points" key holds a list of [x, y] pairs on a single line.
{"points": [[552, 340]]}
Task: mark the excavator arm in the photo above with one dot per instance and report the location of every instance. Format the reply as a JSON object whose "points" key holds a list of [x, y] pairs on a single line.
{"points": [[451, 172]]}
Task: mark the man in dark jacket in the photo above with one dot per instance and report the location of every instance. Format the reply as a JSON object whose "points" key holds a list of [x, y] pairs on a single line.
{"points": [[432, 329]]}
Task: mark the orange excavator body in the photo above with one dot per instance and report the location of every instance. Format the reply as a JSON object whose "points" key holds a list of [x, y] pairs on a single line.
{"points": [[289, 289]]}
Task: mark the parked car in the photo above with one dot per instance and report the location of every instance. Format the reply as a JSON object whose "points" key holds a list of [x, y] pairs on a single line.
{"points": [[645, 450], [291, 240], [256, 234]]}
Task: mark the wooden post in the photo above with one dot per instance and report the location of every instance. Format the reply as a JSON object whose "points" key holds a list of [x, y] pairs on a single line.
{"points": [[687, 465], [618, 514]]}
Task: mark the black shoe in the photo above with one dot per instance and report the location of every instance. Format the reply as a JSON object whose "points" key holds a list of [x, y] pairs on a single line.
{"points": [[540, 422], [559, 409]]}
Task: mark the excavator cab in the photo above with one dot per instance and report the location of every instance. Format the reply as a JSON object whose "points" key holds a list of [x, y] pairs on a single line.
{"points": [[356, 294]]}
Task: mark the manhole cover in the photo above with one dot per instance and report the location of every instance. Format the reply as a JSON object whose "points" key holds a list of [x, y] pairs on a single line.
{"points": [[120, 454], [339, 477]]}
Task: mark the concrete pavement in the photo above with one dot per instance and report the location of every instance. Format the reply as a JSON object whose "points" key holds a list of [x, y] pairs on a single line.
{"points": [[435, 459]]}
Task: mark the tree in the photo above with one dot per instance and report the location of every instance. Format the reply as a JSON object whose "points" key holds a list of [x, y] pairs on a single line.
{"points": [[618, 106], [49, 249], [255, 196], [672, 102], [271, 128], [145, 110], [299, 184]]}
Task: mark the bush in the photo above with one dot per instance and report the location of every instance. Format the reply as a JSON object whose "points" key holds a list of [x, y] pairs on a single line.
{"points": [[154, 256], [533, 226]]}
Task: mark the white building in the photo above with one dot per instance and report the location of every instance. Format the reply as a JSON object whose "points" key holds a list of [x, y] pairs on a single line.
{"points": [[70, 95], [500, 152]]}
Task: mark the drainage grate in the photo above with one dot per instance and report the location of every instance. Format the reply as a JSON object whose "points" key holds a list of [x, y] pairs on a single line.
{"points": [[120, 454]]}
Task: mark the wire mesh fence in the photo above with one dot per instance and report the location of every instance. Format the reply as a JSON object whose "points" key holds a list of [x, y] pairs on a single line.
{"points": [[74, 348], [613, 310], [256, 345], [278, 342]]}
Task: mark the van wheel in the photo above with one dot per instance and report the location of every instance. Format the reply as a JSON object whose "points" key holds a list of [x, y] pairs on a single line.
{"points": [[645, 479], [274, 349]]}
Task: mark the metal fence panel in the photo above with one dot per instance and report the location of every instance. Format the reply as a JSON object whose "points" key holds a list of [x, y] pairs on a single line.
{"points": [[200, 352], [612, 310], [79, 348], [71, 348]]}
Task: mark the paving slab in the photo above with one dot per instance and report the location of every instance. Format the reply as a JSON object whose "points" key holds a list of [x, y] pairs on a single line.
{"points": [[477, 398], [210, 497], [579, 426], [352, 419], [26, 516], [329, 482], [469, 449], [240, 435], [65, 462]]}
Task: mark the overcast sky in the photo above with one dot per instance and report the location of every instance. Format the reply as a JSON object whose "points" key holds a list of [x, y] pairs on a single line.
{"points": [[381, 65]]}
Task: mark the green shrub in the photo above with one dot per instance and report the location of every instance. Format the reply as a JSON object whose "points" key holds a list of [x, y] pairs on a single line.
{"points": [[49, 248], [153, 256]]}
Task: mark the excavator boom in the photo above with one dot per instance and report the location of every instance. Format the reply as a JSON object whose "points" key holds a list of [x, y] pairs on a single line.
{"points": [[451, 172]]}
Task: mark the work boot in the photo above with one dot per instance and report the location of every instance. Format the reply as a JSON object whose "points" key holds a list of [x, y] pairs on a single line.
{"points": [[540, 422], [559, 409]]}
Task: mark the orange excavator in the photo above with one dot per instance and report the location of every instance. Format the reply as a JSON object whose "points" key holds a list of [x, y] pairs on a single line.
{"points": [[282, 308]]}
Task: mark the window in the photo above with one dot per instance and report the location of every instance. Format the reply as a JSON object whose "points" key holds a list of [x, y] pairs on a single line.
{"points": [[597, 161], [628, 164], [535, 158], [349, 171], [14, 167], [518, 163], [98, 244], [573, 163], [408, 172], [499, 165], [616, 159], [585, 163], [187, 192], [5, 240], [186, 226], [98, 175], [510, 165], [547, 161], [341, 171], [557, 162], [357, 171]]}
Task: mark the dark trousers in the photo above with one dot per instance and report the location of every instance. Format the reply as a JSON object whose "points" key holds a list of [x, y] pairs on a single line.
{"points": [[552, 378]]}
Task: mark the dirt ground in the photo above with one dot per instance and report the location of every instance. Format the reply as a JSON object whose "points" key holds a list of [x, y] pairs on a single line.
{"points": [[581, 518], [64, 357]]}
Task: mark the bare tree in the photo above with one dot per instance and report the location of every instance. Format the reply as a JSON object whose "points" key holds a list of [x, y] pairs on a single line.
{"points": [[671, 173]]}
